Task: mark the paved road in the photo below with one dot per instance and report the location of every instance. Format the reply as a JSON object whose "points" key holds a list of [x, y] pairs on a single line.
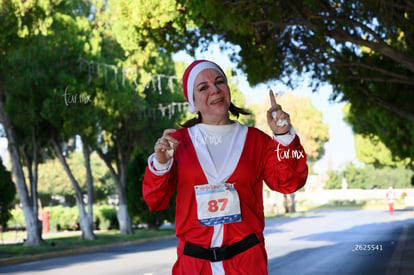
{"points": [[336, 242], [324, 242]]}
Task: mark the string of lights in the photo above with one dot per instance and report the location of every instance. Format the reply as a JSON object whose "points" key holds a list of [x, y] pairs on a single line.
{"points": [[96, 68]]}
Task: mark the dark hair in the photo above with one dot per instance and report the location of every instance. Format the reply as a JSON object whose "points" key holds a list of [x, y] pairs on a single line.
{"points": [[234, 110]]}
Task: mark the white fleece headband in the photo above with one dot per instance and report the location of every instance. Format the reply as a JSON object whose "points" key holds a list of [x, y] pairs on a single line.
{"points": [[189, 82]]}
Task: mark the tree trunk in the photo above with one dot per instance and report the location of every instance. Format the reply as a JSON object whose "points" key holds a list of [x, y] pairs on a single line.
{"points": [[32, 168], [84, 222], [33, 231], [89, 181], [286, 203], [292, 203], [124, 220]]}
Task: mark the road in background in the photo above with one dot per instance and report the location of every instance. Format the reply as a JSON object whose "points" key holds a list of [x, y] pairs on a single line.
{"points": [[336, 242], [315, 243]]}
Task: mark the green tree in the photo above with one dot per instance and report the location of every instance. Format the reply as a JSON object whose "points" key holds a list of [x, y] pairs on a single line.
{"points": [[370, 177], [39, 52], [54, 182], [364, 49], [334, 181], [69, 111], [370, 150], [21, 24], [7, 195], [135, 105], [373, 152], [136, 204], [41, 43]]}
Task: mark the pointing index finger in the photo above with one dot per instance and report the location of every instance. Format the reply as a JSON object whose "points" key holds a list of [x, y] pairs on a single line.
{"points": [[272, 98]]}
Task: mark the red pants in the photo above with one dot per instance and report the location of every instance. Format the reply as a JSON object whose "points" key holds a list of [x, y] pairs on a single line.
{"points": [[391, 208]]}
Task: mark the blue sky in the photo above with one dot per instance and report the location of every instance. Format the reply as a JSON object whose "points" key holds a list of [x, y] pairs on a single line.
{"points": [[340, 148]]}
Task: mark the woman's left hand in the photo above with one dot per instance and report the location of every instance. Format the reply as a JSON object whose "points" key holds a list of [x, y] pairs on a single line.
{"points": [[277, 119]]}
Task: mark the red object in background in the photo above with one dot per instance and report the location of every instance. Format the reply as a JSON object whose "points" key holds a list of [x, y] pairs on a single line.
{"points": [[390, 198], [44, 217]]}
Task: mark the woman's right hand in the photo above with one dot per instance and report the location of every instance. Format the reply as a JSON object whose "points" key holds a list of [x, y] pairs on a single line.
{"points": [[277, 119], [165, 146]]}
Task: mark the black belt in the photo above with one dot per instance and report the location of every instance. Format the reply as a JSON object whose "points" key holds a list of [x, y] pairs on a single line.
{"points": [[216, 254]]}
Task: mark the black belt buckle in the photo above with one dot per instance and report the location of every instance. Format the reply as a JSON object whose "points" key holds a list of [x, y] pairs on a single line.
{"points": [[216, 254], [219, 253]]}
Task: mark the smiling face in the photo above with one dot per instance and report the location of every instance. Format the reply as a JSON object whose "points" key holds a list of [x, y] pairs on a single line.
{"points": [[212, 97]]}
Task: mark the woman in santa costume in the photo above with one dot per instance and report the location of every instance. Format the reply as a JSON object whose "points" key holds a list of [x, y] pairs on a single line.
{"points": [[217, 167]]}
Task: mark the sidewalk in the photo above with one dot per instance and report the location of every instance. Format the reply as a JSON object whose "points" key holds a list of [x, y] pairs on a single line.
{"points": [[402, 261]]}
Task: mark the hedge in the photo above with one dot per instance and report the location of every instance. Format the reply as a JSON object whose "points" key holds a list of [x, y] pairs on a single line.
{"points": [[67, 218]]}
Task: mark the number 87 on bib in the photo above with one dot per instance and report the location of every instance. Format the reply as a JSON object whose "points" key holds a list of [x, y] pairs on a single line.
{"points": [[217, 204]]}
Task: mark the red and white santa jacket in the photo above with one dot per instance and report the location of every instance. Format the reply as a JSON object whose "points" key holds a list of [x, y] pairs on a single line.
{"points": [[255, 158]]}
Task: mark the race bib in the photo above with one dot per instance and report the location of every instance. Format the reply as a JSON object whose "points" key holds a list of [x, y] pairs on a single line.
{"points": [[217, 204]]}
